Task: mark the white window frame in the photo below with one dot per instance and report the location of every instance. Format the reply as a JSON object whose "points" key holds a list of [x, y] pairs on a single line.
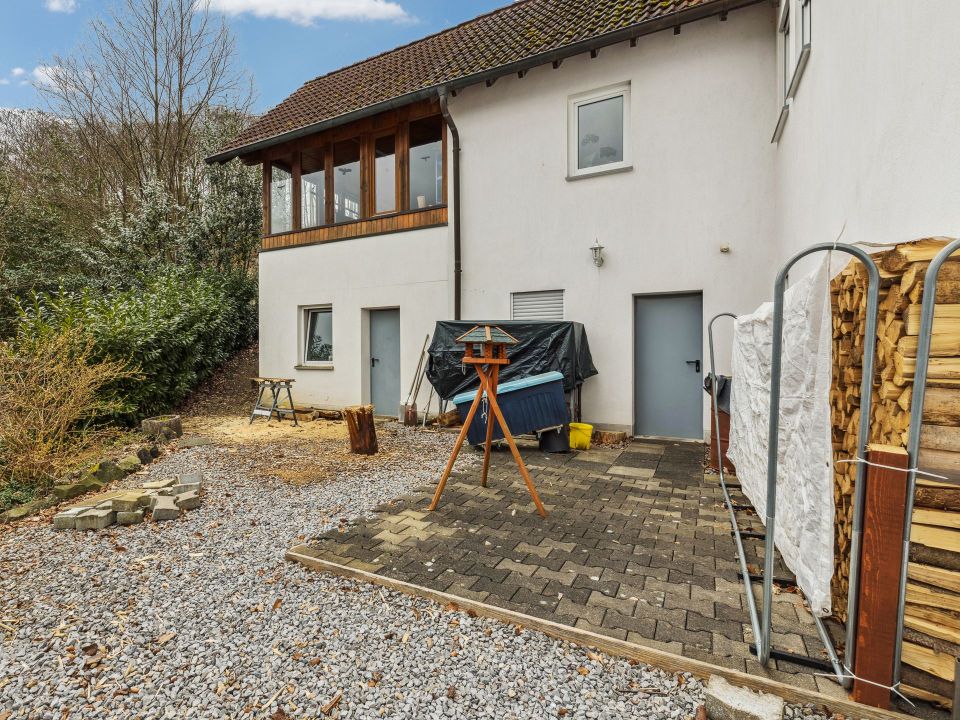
{"points": [[304, 364], [786, 49], [573, 105]]}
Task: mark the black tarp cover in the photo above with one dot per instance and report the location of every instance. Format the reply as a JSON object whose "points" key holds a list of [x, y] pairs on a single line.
{"points": [[544, 346]]}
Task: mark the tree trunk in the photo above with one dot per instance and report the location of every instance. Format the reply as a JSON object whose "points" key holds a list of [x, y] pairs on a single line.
{"points": [[363, 432], [166, 427]]}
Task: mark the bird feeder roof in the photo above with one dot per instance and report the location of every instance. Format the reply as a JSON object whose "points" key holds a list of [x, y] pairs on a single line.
{"points": [[487, 334]]}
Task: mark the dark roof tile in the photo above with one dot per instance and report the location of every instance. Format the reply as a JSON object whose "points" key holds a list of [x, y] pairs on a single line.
{"points": [[517, 32]]}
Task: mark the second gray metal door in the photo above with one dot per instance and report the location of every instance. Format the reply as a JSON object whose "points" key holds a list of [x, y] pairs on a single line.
{"points": [[385, 361], [668, 373]]}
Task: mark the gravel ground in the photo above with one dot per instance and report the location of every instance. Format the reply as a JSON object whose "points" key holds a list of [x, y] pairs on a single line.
{"points": [[201, 617]]}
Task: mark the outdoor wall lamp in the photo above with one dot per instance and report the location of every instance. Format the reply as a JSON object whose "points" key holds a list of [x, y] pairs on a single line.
{"points": [[597, 250]]}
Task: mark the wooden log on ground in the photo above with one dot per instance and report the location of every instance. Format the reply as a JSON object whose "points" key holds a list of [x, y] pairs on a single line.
{"points": [[363, 431]]}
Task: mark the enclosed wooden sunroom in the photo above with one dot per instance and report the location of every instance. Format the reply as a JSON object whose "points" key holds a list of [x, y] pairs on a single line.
{"points": [[382, 174]]}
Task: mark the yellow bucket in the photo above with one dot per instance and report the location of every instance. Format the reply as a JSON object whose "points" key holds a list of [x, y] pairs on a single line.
{"points": [[580, 434]]}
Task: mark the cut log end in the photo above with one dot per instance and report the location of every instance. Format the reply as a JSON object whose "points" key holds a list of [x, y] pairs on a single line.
{"points": [[363, 431]]}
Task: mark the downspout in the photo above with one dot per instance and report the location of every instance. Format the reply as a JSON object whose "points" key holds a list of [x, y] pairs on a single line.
{"points": [[457, 265]]}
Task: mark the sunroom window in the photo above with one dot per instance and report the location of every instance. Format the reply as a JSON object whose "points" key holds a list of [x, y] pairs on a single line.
{"points": [[599, 131], [426, 162], [385, 173], [312, 190], [281, 197], [346, 180]]}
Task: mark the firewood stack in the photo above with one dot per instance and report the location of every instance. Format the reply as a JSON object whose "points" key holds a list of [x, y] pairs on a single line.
{"points": [[932, 635]]}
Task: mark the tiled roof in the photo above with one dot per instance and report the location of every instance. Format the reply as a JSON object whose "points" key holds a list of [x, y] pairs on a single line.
{"points": [[521, 31]]}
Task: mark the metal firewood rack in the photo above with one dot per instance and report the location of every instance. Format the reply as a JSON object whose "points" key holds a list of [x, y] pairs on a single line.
{"points": [[761, 624], [913, 449]]}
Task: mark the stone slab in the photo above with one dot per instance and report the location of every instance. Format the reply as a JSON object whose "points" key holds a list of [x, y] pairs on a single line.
{"points": [[159, 484], [68, 491], [128, 501], [95, 519], [180, 489], [165, 508], [624, 471], [731, 702], [188, 501], [134, 517], [67, 520]]}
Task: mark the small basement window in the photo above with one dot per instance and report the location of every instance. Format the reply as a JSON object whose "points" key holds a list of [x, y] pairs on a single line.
{"points": [[318, 341], [539, 305], [598, 129]]}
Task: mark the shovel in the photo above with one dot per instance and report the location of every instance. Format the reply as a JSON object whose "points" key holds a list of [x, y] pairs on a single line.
{"points": [[407, 407]]}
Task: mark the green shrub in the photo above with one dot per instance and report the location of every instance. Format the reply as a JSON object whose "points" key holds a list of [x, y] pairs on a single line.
{"points": [[175, 327]]}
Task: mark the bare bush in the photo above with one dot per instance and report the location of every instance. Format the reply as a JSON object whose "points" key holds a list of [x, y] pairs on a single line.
{"points": [[51, 393]]}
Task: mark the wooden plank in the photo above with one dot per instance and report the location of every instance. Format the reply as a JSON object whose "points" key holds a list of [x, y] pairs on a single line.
{"points": [[398, 222], [931, 597], [946, 319], [927, 696], [946, 579], [938, 664], [937, 518], [305, 555], [934, 628], [935, 537], [946, 619], [885, 499]]}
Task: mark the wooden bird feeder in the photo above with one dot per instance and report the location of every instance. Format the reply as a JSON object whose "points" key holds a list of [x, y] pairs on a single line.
{"points": [[492, 342]]}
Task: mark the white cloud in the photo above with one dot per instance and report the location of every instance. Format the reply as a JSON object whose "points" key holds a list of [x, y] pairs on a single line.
{"points": [[44, 74], [18, 72], [64, 6], [305, 12], [4, 81]]}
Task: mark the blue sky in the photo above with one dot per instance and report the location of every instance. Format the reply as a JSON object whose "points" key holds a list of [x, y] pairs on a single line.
{"points": [[282, 43]]}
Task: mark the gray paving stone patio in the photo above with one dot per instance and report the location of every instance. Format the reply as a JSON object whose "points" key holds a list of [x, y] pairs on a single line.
{"points": [[637, 546]]}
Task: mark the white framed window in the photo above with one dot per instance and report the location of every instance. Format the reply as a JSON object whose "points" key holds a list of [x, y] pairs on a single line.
{"points": [[598, 130], [786, 49], [317, 324], [538, 305], [796, 25]]}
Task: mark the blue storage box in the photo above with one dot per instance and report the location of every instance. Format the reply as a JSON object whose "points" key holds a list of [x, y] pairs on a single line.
{"points": [[528, 404]]}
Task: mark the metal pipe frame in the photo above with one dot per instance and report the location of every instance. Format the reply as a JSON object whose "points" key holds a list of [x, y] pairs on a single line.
{"points": [[745, 575], [744, 570], [844, 674], [913, 440]]}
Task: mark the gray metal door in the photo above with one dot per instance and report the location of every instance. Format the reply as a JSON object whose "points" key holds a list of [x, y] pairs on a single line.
{"points": [[385, 361], [668, 379]]}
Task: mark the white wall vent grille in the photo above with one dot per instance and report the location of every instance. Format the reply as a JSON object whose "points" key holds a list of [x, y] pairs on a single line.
{"points": [[540, 305]]}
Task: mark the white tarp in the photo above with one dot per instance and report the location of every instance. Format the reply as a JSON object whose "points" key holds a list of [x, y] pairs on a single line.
{"points": [[804, 510]]}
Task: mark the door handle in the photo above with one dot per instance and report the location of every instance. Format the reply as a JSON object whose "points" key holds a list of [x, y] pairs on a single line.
{"points": [[695, 363], [374, 361]]}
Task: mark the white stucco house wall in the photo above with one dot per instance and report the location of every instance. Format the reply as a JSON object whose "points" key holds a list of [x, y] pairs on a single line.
{"points": [[747, 131]]}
